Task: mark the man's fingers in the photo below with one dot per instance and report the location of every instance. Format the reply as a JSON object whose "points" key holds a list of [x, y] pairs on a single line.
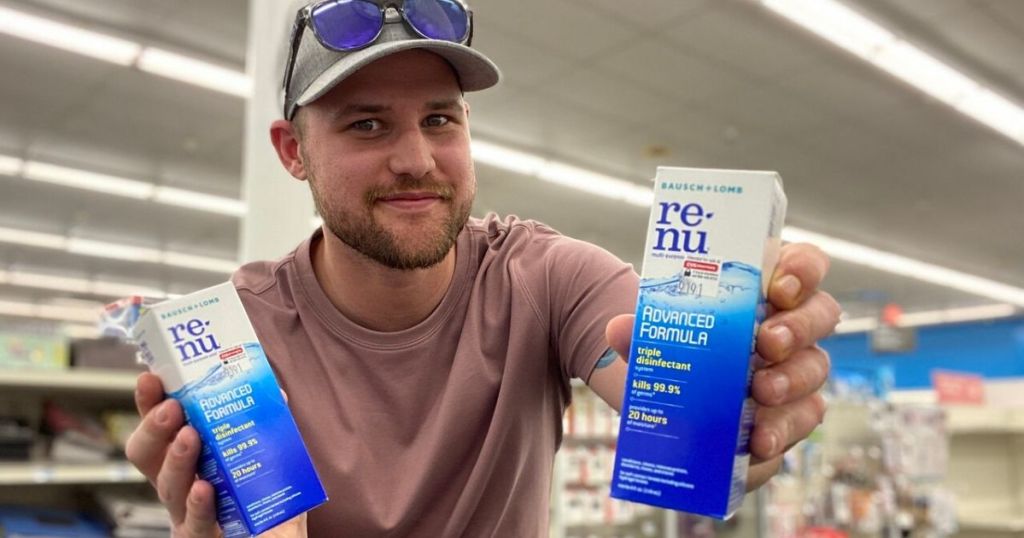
{"points": [[801, 375], [798, 274], [148, 443], [619, 333], [178, 472], [761, 472], [790, 330], [148, 392], [777, 428], [201, 512]]}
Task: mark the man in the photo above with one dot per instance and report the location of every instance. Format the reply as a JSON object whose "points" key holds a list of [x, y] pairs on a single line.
{"points": [[427, 355]]}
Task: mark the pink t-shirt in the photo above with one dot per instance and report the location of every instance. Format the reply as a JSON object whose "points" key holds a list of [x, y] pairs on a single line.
{"points": [[448, 428]]}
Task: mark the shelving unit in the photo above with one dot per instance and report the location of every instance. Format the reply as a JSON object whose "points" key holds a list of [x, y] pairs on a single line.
{"points": [[78, 381], [986, 462], [39, 473], [42, 482]]}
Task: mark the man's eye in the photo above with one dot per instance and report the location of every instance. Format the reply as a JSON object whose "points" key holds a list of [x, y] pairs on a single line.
{"points": [[365, 125], [436, 121]]}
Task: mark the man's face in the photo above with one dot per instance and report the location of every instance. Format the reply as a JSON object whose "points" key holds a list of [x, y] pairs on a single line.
{"points": [[388, 161]]}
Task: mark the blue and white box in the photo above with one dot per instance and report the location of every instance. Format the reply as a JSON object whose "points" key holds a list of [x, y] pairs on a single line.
{"points": [[205, 351], [713, 240]]}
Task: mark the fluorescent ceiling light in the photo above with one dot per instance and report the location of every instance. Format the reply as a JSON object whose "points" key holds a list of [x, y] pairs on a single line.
{"points": [[10, 166], [563, 174], [193, 71], [957, 315], [996, 112], [80, 179], [124, 52], [507, 159], [932, 317], [916, 67], [70, 38], [856, 325], [197, 200], [32, 239], [103, 249], [901, 265], [873, 43], [118, 186], [835, 22], [599, 184]]}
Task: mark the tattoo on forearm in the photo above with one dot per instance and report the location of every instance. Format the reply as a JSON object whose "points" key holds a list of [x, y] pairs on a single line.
{"points": [[607, 359]]}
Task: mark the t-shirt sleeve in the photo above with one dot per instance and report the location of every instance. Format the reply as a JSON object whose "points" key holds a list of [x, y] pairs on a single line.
{"points": [[588, 286]]}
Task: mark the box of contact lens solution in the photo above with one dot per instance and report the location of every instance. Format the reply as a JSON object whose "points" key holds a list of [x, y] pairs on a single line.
{"points": [[205, 352], [712, 242]]}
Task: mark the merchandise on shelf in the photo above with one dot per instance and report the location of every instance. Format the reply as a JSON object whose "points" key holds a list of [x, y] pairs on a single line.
{"points": [[106, 353], [33, 350], [873, 468]]}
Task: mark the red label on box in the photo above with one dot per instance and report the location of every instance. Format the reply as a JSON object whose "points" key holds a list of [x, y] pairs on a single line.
{"points": [[700, 266], [233, 352]]}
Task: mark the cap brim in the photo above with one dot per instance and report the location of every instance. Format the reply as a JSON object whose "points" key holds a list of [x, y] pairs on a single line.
{"points": [[475, 71]]}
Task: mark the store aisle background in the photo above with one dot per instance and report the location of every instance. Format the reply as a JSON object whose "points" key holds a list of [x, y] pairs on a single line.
{"points": [[610, 87], [613, 87]]}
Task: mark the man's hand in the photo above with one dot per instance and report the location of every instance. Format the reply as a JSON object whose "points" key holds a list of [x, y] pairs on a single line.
{"points": [[165, 450], [786, 387]]}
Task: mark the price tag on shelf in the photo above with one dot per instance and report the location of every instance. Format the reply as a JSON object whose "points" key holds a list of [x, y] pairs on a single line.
{"points": [[119, 472], [42, 474]]}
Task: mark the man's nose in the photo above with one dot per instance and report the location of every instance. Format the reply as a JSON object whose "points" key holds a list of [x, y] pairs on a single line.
{"points": [[412, 155]]}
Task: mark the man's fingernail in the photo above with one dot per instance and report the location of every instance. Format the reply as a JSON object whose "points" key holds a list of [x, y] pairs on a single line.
{"points": [[783, 335], [780, 386], [180, 447], [790, 285], [773, 445], [161, 414]]}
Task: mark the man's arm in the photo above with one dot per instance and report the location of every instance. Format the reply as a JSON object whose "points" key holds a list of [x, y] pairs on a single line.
{"points": [[786, 387], [608, 380]]}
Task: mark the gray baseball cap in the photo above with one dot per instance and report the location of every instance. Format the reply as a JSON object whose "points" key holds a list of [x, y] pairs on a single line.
{"points": [[317, 69]]}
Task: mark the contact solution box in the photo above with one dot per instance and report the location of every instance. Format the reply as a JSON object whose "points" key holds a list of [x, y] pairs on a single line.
{"points": [[205, 352], [713, 240]]}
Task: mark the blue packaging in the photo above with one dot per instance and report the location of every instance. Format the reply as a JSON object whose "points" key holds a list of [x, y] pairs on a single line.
{"points": [[713, 240], [206, 353]]}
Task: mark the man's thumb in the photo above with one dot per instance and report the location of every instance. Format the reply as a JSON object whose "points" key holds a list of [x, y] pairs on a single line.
{"points": [[619, 333]]}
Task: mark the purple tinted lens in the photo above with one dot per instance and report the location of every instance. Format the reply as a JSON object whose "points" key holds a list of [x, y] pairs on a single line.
{"points": [[438, 19], [347, 24]]}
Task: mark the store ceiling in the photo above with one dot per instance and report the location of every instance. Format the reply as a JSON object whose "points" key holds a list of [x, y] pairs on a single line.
{"points": [[611, 85]]}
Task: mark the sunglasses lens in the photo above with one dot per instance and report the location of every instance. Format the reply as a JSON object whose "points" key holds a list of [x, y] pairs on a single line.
{"points": [[438, 19], [347, 24]]}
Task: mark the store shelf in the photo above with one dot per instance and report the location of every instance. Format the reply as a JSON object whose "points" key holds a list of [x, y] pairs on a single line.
{"points": [[991, 522], [984, 420], [16, 474], [83, 380]]}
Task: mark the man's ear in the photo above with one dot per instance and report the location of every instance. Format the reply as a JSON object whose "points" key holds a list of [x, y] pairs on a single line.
{"points": [[286, 142]]}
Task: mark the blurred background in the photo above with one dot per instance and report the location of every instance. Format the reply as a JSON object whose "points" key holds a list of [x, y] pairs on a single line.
{"points": [[134, 159]]}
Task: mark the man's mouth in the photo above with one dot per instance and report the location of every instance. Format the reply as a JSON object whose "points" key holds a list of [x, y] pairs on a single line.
{"points": [[413, 200], [411, 196]]}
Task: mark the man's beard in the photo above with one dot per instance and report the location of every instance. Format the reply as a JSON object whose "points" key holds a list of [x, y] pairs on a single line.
{"points": [[371, 239]]}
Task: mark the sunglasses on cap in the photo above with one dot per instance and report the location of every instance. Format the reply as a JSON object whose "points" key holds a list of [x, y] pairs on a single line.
{"points": [[350, 25]]}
